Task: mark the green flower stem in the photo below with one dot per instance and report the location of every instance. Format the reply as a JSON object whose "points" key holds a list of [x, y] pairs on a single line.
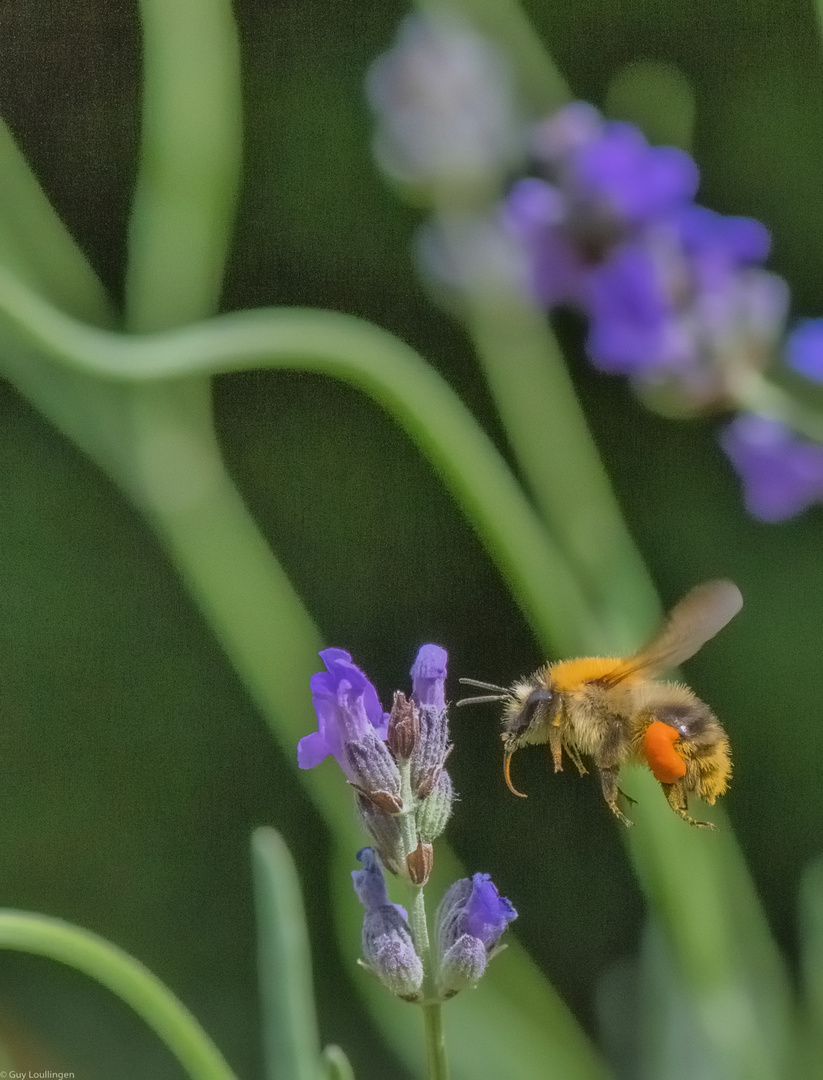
{"points": [[125, 977], [547, 431], [374, 361], [36, 245], [438, 1067], [755, 393], [189, 173]]}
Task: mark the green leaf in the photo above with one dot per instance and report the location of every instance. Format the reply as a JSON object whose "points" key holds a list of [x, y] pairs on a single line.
{"points": [[290, 1037], [334, 1065], [124, 976]]}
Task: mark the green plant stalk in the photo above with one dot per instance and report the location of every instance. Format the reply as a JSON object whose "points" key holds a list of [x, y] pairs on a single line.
{"points": [[560, 464], [189, 173], [370, 359], [124, 976], [290, 1031], [334, 1065], [438, 1068]]}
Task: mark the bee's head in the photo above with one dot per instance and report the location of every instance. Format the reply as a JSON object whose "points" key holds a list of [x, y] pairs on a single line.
{"points": [[530, 709]]}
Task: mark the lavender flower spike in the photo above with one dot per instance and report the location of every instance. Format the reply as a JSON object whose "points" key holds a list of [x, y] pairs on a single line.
{"points": [[429, 675], [388, 949], [470, 921], [428, 694]]}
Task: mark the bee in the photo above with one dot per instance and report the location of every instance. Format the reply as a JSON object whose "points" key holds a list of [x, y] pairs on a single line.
{"points": [[612, 711]]}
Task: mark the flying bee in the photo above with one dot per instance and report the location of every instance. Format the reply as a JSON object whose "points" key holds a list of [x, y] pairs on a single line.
{"points": [[613, 711]]}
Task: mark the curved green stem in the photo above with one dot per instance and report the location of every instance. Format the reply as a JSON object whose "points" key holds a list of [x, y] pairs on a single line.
{"points": [[187, 184], [125, 977], [377, 363]]}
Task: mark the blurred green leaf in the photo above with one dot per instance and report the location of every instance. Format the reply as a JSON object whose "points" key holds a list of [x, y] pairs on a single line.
{"points": [[334, 1065], [290, 1033]]}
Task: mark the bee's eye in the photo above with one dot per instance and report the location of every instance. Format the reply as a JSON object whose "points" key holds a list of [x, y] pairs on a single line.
{"points": [[538, 697]]}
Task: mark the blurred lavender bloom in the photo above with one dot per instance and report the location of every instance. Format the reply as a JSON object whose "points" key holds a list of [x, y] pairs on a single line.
{"points": [[444, 105], [470, 921], [804, 349], [671, 289], [388, 949], [782, 475]]}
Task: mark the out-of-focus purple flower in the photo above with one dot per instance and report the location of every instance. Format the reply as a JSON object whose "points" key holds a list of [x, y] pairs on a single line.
{"points": [[470, 921], [388, 949], [782, 474], [672, 290], [804, 349], [444, 104]]}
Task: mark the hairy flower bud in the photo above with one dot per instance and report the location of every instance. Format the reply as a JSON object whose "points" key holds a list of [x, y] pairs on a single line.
{"points": [[404, 727], [384, 829], [388, 949], [373, 771], [435, 810], [471, 917]]}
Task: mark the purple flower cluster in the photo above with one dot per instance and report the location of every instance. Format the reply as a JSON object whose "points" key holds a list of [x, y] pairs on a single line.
{"points": [[670, 289], [395, 761], [470, 922], [673, 293]]}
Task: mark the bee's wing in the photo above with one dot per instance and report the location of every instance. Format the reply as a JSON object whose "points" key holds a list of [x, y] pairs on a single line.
{"points": [[693, 621]]}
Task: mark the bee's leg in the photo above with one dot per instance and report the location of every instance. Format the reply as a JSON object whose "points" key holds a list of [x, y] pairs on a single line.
{"points": [[573, 754], [608, 781], [628, 798], [676, 797], [556, 746], [611, 753]]}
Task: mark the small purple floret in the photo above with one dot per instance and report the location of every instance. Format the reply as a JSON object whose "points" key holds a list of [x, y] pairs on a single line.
{"points": [[428, 676], [346, 705], [804, 349], [487, 913], [782, 475]]}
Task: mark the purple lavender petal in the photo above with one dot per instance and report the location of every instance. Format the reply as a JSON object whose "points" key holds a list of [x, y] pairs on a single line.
{"points": [[638, 181], [487, 913], [781, 474], [346, 705], [738, 239], [633, 326], [369, 883], [804, 349], [573, 126], [311, 750], [428, 676]]}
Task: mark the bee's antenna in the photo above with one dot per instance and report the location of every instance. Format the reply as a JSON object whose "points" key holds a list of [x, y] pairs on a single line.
{"points": [[484, 685], [501, 693]]}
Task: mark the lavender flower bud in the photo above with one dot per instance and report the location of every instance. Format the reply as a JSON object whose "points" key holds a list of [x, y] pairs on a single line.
{"points": [[388, 949], [428, 680], [384, 829], [404, 727], [435, 810], [444, 106], [462, 966], [373, 771], [471, 909]]}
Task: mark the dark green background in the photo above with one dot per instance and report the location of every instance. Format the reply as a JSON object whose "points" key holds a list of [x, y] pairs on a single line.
{"points": [[132, 764]]}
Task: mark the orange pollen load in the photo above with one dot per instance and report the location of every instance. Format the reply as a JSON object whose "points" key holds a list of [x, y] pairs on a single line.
{"points": [[666, 764]]}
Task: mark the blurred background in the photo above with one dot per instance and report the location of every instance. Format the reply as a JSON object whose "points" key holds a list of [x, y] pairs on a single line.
{"points": [[132, 763]]}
